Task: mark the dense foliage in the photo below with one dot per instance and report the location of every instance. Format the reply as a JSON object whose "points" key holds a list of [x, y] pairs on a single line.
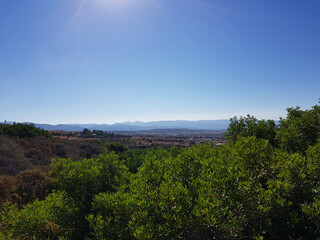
{"points": [[300, 129], [263, 184], [251, 126], [86, 133], [23, 130], [296, 133]]}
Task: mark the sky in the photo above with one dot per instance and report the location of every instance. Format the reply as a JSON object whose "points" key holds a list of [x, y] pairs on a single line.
{"points": [[107, 61]]}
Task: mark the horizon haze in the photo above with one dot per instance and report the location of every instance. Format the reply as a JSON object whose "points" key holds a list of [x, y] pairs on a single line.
{"points": [[139, 126]]}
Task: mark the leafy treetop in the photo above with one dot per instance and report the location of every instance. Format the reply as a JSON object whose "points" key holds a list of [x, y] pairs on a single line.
{"points": [[23, 130]]}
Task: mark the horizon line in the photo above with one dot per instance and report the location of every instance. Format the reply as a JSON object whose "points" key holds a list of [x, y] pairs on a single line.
{"points": [[180, 120]]}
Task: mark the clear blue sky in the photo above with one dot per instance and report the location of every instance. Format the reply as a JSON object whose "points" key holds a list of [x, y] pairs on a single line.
{"points": [[106, 61]]}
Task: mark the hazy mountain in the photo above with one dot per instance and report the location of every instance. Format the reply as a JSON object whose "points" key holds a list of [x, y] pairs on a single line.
{"points": [[61, 127], [139, 126]]}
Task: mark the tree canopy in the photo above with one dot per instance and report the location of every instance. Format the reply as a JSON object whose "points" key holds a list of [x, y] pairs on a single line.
{"points": [[295, 133], [23, 130]]}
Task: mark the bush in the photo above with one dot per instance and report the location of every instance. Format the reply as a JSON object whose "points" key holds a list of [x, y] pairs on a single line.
{"points": [[23, 130], [49, 219]]}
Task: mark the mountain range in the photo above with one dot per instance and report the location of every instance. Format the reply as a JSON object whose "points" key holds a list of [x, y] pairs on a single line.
{"points": [[140, 126]]}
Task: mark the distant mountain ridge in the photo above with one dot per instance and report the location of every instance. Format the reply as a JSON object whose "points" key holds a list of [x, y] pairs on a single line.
{"points": [[140, 126]]}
